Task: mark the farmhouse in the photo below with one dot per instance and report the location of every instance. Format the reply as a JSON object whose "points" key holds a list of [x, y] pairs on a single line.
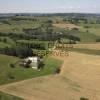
{"points": [[33, 61]]}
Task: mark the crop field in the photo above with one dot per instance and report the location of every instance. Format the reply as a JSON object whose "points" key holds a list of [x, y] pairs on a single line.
{"points": [[92, 28], [79, 78], [95, 46]]}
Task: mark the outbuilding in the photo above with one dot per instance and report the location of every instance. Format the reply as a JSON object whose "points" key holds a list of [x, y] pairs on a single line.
{"points": [[34, 62]]}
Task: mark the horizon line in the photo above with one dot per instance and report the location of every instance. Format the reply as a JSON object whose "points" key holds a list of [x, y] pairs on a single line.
{"points": [[50, 12]]}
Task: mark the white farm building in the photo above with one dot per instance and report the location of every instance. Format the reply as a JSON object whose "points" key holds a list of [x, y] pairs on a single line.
{"points": [[34, 61]]}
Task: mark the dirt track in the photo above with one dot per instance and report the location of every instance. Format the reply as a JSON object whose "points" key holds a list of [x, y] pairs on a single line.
{"points": [[80, 77]]}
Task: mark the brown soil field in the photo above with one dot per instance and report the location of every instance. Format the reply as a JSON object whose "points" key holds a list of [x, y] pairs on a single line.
{"points": [[79, 77], [66, 26]]}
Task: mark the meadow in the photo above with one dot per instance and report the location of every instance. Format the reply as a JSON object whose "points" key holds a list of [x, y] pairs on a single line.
{"points": [[9, 74]]}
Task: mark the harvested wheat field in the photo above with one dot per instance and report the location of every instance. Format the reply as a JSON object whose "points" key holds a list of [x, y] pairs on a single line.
{"points": [[66, 26], [79, 77], [95, 46]]}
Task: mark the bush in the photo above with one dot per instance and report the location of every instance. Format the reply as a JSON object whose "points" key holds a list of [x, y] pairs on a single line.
{"points": [[10, 76], [57, 71], [75, 29], [86, 26], [82, 98], [5, 40], [72, 42], [41, 65], [97, 40], [12, 65], [27, 65]]}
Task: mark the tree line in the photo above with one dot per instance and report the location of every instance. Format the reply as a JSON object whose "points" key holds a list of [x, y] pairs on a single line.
{"points": [[40, 37], [40, 45], [17, 51]]}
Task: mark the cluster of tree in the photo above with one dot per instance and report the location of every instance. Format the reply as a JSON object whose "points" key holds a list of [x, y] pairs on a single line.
{"points": [[45, 28], [70, 37], [75, 29], [77, 20], [50, 35], [33, 31], [33, 44], [17, 51], [5, 22], [47, 37], [74, 38], [23, 18], [41, 37], [3, 40], [98, 21], [3, 34], [97, 40], [20, 36], [16, 36]]}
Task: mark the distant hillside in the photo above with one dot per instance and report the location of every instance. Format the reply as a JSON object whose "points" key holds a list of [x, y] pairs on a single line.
{"points": [[49, 14]]}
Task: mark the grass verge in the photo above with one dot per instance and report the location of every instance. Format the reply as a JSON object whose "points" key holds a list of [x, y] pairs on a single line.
{"points": [[4, 96]]}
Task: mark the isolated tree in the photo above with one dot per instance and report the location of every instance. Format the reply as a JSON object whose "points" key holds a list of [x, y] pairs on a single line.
{"points": [[12, 65]]}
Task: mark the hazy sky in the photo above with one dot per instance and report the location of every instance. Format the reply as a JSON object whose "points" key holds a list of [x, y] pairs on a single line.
{"points": [[49, 6]]}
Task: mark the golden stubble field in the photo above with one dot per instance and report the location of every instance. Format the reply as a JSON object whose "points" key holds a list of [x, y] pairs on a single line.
{"points": [[95, 46], [66, 26], [79, 77]]}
